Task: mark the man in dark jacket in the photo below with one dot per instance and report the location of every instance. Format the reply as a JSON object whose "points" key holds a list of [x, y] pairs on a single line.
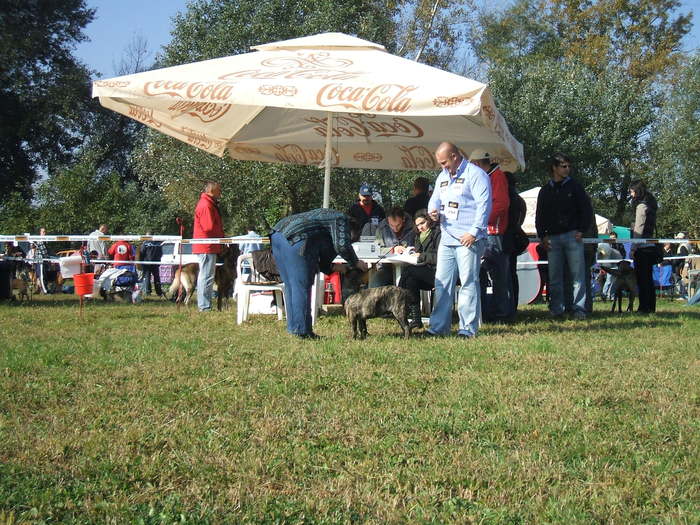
{"points": [[563, 214], [421, 197], [366, 210], [496, 307], [301, 244], [150, 251]]}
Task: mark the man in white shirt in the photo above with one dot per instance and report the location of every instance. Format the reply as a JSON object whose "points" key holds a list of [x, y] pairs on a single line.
{"points": [[461, 202]]}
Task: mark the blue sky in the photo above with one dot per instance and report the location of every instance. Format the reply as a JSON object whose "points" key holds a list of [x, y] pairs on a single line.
{"points": [[118, 21]]}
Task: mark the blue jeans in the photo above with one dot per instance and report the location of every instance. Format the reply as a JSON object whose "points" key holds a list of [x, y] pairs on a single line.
{"points": [[566, 251], [450, 261], [498, 304], [607, 287], [297, 264], [205, 280]]}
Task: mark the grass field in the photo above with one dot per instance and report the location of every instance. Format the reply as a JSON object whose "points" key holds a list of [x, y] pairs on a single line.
{"points": [[143, 414]]}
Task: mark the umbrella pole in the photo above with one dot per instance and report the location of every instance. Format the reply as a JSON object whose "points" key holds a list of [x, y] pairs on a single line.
{"points": [[327, 162]]}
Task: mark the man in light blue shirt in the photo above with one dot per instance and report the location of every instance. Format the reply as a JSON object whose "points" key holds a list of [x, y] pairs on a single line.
{"points": [[461, 202]]}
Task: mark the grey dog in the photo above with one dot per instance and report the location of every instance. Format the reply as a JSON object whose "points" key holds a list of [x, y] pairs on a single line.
{"points": [[625, 279], [376, 302]]}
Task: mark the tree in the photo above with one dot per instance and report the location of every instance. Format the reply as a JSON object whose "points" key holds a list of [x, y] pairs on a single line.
{"points": [[432, 31], [112, 136], [675, 151], [642, 37], [43, 89], [582, 77], [74, 200]]}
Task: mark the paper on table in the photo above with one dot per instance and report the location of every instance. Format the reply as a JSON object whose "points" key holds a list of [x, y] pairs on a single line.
{"points": [[402, 258]]}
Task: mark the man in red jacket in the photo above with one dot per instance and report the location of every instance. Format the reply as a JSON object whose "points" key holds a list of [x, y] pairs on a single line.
{"points": [[496, 306], [207, 225]]}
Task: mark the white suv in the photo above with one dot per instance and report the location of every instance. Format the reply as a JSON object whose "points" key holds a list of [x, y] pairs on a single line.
{"points": [[171, 253]]}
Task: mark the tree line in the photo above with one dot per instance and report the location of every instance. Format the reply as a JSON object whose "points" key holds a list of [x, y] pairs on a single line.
{"points": [[606, 81]]}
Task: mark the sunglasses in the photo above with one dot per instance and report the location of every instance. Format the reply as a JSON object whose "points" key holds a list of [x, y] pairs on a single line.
{"points": [[564, 166]]}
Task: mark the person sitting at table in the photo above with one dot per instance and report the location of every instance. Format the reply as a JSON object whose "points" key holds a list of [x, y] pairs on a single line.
{"points": [[421, 277], [393, 235]]}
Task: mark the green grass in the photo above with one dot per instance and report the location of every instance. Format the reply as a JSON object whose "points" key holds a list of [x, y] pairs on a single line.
{"points": [[143, 414]]}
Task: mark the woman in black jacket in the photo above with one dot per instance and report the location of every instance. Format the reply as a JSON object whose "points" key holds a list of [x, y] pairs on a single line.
{"points": [[645, 255], [421, 277]]}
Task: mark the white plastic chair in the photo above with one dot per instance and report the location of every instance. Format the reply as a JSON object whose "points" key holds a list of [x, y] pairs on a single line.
{"points": [[252, 281]]}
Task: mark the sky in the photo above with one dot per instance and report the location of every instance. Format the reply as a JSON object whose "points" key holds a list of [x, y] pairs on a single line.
{"points": [[117, 22]]}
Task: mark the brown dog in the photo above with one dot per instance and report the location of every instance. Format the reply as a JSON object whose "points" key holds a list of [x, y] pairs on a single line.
{"points": [[184, 283], [374, 303], [625, 280]]}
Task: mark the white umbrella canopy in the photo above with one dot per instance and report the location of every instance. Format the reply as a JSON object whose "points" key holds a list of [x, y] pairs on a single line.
{"points": [[274, 105]]}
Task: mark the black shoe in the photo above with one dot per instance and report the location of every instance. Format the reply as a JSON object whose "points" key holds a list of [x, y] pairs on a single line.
{"points": [[430, 335], [310, 335], [466, 336]]}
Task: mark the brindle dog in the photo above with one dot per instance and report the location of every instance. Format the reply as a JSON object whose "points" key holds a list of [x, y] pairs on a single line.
{"points": [[625, 279], [376, 302], [225, 274]]}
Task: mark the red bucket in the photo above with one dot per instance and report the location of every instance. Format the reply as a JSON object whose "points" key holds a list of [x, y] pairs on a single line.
{"points": [[83, 283]]}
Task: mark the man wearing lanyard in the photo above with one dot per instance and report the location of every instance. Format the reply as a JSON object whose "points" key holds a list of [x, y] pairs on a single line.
{"points": [[461, 202]]}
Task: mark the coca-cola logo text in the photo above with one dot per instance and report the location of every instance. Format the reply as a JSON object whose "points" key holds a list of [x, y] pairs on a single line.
{"points": [[295, 154], [200, 140], [489, 111], [392, 98], [111, 83], [144, 115], [356, 125], [417, 158], [204, 111], [246, 150], [191, 90]]}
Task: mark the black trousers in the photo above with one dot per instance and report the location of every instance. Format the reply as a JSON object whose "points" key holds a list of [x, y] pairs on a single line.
{"points": [[153, 270], [417, 278], [644, 260]]}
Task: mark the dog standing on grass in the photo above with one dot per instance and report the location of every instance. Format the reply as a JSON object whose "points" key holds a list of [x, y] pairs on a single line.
{"points": [[625, 280], [224, 277], [187, 278], [225, 274], [376, 302]]}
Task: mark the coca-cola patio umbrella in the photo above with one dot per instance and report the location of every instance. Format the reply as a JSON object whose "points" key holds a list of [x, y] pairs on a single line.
{"points": [[275, 104]]}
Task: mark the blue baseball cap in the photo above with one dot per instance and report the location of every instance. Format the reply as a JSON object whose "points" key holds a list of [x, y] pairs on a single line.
{"points": [[365, 190]]}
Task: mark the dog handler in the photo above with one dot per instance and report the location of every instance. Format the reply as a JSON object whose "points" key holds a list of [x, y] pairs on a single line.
{"points": [[207, 225], [301, 244], [462, 203]]}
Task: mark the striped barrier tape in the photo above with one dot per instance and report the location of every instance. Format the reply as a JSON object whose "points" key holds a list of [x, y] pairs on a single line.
{"points": [[242, 239]]}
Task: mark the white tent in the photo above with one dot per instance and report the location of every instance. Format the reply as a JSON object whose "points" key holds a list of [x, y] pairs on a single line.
{"points": [[530, 196]]}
